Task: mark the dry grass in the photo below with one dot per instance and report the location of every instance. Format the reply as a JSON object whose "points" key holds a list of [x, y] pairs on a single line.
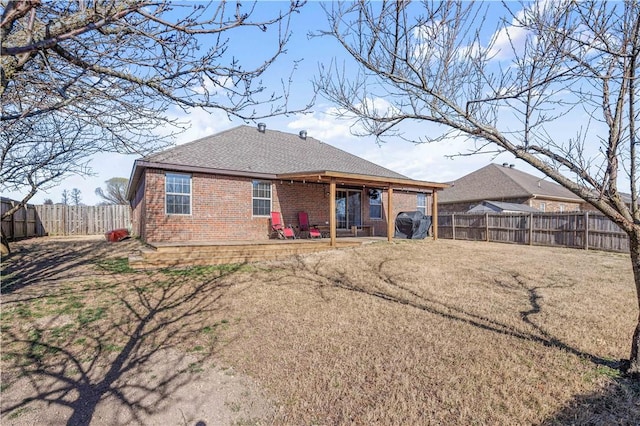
{"points": [[443, 332]]}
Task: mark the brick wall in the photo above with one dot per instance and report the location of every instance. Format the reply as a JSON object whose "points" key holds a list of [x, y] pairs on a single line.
{"points": [[221, 208], [554, 206]]}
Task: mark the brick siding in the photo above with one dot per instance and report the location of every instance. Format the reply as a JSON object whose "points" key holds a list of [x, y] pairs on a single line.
{"points": [[221, 208]]}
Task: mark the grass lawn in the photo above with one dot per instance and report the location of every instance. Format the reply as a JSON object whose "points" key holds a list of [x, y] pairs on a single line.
{"points": [[415, 332]]}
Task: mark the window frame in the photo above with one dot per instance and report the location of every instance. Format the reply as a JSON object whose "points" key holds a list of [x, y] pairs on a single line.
{"points": [[377, 202], [167, 193], [421, 207], [269, 184]]}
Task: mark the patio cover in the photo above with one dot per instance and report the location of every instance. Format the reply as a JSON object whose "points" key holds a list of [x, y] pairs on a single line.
{"points": [[387, 183]]}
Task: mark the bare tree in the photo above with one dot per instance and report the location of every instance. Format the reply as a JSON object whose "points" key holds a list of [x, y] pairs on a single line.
{"points": [[76, 196], [81, 77], [66, 197], [115, 192], [546, 63]]}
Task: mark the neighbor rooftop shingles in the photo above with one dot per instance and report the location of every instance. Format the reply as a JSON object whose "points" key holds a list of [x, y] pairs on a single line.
{"points": [[245, 149], [495, 182]]}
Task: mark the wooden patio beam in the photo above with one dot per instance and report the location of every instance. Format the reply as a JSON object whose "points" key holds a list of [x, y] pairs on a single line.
{"points": [[390, 220], [332, 212], [434, 214]]}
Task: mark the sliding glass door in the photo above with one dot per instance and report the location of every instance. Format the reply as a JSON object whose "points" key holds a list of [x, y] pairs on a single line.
{"points": [[348, 208]]}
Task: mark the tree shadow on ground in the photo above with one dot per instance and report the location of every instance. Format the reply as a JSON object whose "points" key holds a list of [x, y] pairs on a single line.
{"points": [[618, 403], [80, 357], [617, 400], [385, 286], [40, 261]]}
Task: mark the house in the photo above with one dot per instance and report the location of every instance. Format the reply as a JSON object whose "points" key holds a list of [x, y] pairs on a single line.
{"points": [[224, 186], [505, 184]]}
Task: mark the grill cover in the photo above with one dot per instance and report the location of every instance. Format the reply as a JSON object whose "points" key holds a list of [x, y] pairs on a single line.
{"points": [[412, 225]]}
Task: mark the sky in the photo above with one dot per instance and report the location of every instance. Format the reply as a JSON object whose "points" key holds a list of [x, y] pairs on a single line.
{"points": [[417, 161]]}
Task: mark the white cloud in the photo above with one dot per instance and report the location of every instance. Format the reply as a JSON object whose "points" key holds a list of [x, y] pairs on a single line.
{"points": [[201, 123], [424, 161], [507, 42], [429, 38], [324, 126], [474, 50], [377, 107], [429, 161]]}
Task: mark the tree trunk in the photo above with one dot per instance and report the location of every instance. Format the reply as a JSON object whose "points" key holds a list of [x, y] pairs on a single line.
{"points": [[634, 360], [4, 244], [633, 367]]}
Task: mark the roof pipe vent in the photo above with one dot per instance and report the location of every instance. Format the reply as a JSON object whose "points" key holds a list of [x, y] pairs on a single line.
{"points": [[303, 134], [262, 127]]}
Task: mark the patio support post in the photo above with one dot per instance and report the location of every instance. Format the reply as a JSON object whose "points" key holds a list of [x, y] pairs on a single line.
{"points": [[434, 214], [332, 212], [390, 221]]}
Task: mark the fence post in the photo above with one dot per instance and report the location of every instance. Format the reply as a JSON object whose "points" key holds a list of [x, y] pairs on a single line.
{"points": [[586, 230], [63, 222], [486, 226], [13, 222], [530, 229], [453, 226]]}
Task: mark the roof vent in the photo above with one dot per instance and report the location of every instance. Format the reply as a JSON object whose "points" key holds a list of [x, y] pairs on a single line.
{"points": [[262, 127], [505, 164], [511, 166], [303, 134]]}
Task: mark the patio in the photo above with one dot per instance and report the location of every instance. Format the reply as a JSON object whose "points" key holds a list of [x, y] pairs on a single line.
{"points": [[201, 253]]}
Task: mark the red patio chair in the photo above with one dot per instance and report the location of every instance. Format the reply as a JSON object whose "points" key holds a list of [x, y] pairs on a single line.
{"points": [[305, 229], [280, 230]]}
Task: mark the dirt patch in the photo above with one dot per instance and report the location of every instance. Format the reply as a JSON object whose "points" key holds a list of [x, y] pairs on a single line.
{"points": [[203, 394], [87, 342]]}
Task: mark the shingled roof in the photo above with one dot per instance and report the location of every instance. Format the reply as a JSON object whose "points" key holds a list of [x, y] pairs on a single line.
{"points": [[248, 151], [495, 182]]}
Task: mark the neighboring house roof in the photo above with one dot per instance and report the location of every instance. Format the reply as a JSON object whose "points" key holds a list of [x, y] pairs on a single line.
{"points": [[495, 182], [268, 154], [496, 206]]}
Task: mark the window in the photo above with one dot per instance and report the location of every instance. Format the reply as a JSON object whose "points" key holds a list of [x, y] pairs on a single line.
{"points": [[375, 204], [543, 207], [177, 193], [561, 207], [261, 198], [422, 203]]}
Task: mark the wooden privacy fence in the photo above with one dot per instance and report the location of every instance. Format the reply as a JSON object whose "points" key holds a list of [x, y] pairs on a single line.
{"points": [[585, 230], [37, 221], [24, 223], [83, 220]]}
